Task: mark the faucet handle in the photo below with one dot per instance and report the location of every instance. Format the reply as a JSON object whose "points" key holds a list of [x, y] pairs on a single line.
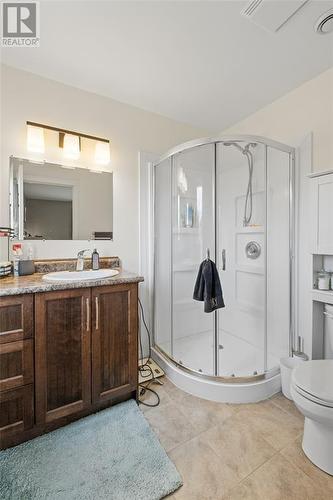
{"points": [[81, 253]]}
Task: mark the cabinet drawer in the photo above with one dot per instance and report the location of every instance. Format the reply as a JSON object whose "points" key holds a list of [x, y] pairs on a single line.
{"points": [[16, 364], [16, 318], [16, 411]]}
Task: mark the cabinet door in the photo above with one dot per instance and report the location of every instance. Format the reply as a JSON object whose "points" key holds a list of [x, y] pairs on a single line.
{"points": [[114, 341], [16, 364], [62, 354], [323, 213], [16, 318], [16, 411]]}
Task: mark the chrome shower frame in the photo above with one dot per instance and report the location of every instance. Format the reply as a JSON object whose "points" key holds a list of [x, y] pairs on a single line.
{"points": [[228, 140]]}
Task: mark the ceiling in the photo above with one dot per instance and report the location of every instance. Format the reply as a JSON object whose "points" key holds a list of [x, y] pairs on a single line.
{"points": [[198, 62]]}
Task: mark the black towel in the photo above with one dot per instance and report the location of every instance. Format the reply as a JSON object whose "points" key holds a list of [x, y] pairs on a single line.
{"points": [[208, 287]]}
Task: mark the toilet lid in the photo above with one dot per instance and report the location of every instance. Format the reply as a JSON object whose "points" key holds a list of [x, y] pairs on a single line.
{"points": [[316, 379]]}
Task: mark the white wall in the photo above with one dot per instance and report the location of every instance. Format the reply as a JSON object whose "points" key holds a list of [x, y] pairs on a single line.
{"points": [[25, 96], [308, 108], [302, 118]]}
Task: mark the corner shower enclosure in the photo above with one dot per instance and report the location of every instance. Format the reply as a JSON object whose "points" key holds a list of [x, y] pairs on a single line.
{"points": [[231, 198]]}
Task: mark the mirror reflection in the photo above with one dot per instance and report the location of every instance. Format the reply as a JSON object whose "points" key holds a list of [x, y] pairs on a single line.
{"points": [[53, 202]]}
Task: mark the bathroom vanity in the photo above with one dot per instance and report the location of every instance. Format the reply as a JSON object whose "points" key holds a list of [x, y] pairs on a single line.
{"points": [[66, 350]]}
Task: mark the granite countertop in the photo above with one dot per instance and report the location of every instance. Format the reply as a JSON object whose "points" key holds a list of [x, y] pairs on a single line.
{"points": [[34, 283]]}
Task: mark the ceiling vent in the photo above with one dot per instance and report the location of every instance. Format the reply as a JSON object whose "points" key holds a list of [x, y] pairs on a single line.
{"points": [[271, 14], [324, 23]]}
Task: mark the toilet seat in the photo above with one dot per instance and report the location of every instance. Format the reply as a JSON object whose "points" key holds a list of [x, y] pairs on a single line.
{"points": [[313, 381], [313, 398]]}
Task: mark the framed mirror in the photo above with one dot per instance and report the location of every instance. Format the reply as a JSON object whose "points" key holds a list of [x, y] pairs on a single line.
{"points": [[54, 202]]}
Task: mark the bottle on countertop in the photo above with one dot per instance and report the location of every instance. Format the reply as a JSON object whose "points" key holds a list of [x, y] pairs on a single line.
{"points": [[95, 260], [17, 256]]}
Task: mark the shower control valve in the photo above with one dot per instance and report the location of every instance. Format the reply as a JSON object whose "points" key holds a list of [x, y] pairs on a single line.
{"points": [[253, 250]]}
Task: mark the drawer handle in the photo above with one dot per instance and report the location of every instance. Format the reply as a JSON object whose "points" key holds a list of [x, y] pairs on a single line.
{"points": [[97, 313], [88, 315]]}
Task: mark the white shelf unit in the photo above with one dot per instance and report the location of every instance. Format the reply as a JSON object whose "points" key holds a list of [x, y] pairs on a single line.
{"points": [[325, 296], [321, 184], [322, 212]]}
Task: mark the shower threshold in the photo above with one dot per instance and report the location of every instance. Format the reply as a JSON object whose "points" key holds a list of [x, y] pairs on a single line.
{"points": [[238, 359], [221, 389]]}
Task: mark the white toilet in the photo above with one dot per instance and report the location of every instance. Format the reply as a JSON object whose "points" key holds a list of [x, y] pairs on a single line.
{"points": [[312, 392]]}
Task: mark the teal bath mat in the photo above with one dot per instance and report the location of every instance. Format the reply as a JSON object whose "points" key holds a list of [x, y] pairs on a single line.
{"points": [[113, 455]]}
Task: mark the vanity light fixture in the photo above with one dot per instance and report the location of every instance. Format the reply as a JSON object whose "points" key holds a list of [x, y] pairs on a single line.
{"points": [[35, 139], [102, 153], [71, 146], [70, 142]]}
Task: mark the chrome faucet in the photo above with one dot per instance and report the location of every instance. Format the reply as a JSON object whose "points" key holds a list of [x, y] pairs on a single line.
{"points": [[80, 260]]}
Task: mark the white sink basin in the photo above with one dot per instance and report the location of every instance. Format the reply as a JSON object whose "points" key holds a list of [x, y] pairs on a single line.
{"points": [[80, 275]]}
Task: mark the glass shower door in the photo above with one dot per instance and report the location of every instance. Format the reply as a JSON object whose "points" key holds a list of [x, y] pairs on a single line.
{"points": [[241, 258], [193, 232]]}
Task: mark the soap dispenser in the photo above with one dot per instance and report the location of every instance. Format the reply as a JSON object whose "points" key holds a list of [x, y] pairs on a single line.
{"points": [[95, 260]]}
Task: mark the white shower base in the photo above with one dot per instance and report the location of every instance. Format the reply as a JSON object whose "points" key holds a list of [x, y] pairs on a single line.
{"points": [[237, 357]]}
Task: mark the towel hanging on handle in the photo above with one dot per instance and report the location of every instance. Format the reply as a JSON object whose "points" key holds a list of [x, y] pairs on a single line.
{"points": [[208, 286]]}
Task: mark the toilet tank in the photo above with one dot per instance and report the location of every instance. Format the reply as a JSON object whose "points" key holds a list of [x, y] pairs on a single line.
{"points": [[328, 332]]}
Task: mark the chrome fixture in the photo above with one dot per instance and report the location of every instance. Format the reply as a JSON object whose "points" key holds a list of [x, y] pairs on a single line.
{"points": [[80, 259], [221, 365], [253, 250], [249, 196]]}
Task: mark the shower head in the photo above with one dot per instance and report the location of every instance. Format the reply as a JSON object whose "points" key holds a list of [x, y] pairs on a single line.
{"points": [[250, 145], [248, 197]]}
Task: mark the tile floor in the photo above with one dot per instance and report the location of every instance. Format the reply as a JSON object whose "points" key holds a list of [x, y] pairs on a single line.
{"points": [[235, 452]]}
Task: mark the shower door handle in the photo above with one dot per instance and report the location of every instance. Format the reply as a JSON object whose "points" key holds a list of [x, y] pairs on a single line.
{"points": [[223, 259]]}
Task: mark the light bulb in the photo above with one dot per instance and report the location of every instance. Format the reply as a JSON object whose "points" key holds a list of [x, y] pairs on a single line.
{"points": [[35, 139], [102, 153], [72, 146]]}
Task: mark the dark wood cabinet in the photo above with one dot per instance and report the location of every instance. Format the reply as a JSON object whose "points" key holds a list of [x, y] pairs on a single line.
{"points": [[16, 318], [16, 412], [114, 341], [16, 364], [63, 355], [62, 351]]}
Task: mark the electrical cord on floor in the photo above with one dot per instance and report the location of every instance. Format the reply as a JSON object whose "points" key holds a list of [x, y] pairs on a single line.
{"points": [[144, 368]]}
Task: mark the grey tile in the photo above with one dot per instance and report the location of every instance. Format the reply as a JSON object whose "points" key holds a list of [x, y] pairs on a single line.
{"points": [[285, 404], [295, 455], [239, 446], [277, 426], [204, 414], [277, 479], [170, 425], [201, 470]]}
